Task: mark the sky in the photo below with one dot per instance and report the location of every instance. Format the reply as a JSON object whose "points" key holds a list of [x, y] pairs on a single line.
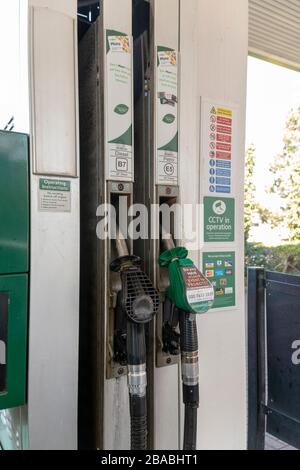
{"points": [[273, 91]]}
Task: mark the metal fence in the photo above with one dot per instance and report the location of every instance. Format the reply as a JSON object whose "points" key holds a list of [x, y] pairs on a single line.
{"points": [[273, 357]]}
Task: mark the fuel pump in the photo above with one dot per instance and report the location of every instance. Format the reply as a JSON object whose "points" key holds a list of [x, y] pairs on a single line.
{"points": [[139, 302], [191, 293], [118, 300]]}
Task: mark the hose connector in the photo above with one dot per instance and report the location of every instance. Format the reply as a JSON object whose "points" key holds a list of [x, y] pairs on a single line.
{"points": [[137, 380], [190, 368]]}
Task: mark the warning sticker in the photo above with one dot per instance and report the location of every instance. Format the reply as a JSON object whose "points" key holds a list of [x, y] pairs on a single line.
{"points": [[225, 147], [224, 112], [224, 129], [54, 195], [222, 120], [198, 289], [224, 138], [218, 146], [167, 116]]}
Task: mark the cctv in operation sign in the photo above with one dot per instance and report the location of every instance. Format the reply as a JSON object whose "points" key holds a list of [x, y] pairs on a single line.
{"points": [[219, 219]]}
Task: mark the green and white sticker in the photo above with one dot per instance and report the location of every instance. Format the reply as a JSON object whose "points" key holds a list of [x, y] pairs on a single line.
{"points": [[219, 219], [219, 269], [54, 195], [119, 120], [167, 116]]}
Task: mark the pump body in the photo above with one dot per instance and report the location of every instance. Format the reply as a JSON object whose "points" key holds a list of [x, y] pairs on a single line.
{"points": [[14, 268]]}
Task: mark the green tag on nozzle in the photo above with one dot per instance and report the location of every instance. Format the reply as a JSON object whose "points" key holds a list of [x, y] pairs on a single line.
{"points": [[189, 290]]}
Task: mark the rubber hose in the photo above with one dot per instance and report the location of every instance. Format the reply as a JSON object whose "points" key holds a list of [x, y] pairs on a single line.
{"points": [[139, 428], [136, 344], [189, 344], [136, 351], [188, 332], [190, 428]]}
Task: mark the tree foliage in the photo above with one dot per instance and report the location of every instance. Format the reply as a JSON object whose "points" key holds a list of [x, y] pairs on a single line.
{"points": [[284, 258], [286, 170], [250, 205]]}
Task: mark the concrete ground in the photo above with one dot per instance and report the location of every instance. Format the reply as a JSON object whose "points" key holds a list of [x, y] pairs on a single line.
{"points": [[272, 443]]}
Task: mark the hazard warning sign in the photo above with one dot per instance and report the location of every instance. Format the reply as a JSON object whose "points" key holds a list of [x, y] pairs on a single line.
{"points": [[218, 147]]}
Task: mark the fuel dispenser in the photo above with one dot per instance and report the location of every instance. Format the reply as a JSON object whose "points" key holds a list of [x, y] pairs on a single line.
{"points": [[130, 154], [14, 268], [118, 300]]}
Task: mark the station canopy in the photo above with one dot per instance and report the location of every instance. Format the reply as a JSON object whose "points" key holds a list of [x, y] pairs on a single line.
{"points": [[274, 31]]}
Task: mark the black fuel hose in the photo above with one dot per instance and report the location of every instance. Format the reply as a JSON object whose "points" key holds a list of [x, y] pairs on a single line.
{"points": [[137, 383], [190, 427], [140, 303], [190, 377]]}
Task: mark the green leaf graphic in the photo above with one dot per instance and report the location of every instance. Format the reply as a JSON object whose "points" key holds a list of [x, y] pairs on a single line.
{"points": [[121, 109], [169, 118]]}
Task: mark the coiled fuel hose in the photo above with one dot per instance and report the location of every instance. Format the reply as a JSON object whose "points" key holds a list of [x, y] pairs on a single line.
{"points": [[137, 383]]}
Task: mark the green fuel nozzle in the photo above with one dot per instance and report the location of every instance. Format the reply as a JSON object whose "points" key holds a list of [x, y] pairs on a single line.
{"points": [[189, 290], [191, 293]]}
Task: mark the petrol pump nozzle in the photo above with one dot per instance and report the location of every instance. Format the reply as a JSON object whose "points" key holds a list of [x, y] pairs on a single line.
{"points": [[189, 290], [191, 293], [139, 301]]}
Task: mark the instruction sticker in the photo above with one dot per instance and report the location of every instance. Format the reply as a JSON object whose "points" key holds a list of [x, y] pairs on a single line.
{"points": [[119, 117], [167, 116], [54, 195], [219, 269], [219, 219], [199, 292], [197, 287], [218, 147]]}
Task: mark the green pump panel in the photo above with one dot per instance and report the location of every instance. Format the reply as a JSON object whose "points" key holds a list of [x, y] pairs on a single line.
{"points": [[14, 267]]}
